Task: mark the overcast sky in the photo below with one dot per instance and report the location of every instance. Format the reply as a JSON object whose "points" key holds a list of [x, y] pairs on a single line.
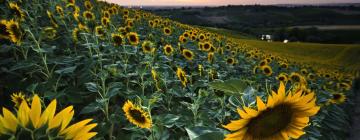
{"points": [[225, 2]]}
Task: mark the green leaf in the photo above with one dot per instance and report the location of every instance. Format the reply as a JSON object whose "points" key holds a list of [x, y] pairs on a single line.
{"points": [[91, 87], [233, 86], [92, 107], [204, 133], [66, 70]]}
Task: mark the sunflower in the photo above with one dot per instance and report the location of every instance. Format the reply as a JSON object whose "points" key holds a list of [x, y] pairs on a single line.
{"points": [[133, 38], [18, 98], [296, 78], [311, 76], [207, 46], [136, 115], [148, 47], [188, 54], [230, 61], [60, 11], [182, 76], [304, 71], [99, 30], [263, 63], [126, 12], [337, 98], [88, 15], [33, 119], [122, 30], [50, 32], [151, 24], [154, 74], [283, 117], [220, 50], [344, 85], [201, 37], [167, 31], [88, 5], [4, 33], [284, 65], [210, 57], [52, 19], [168, 49], [17, 10], [283, 77], [182, 39], [15, 32], [105, 21], [267, 70]]}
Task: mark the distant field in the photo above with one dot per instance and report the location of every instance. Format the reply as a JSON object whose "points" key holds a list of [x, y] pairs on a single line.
{"points": [[330, 27], [320, 55]]}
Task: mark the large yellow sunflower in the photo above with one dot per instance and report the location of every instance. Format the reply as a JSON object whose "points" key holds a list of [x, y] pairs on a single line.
{"points": [[136, 115], [283, 117], [32, 119]]}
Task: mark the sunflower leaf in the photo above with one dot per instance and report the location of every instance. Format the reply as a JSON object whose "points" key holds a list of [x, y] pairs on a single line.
{"points": [[233, 86], [204, 133]]}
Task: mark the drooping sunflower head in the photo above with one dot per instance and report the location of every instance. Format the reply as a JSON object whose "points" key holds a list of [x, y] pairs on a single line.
{"points": [[167, 31], [50, 32], [136, 115], [75, 34], [283, 77], [210, 57], [230, 61], [15, 31], [168, 49], [182, 76], [18, 98], [16, 10], [147, 47], [59, 10], [284, 116], [188, 54], [52, 19], [118, 39], [337, 98], [4, 33], [267, 70], [88, 15], [133, 38]]}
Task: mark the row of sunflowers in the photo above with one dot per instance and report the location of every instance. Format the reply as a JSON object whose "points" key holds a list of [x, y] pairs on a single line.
{"points": [[117, 73]]}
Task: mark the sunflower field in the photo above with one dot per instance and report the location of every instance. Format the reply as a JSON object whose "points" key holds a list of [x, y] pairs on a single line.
{"points": [[88, 69]]}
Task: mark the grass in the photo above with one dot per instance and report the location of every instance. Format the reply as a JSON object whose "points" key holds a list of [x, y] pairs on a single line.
{"points": [[329, 56]]}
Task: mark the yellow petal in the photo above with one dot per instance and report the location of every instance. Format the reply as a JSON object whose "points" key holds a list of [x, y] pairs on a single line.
{"points": [[281, 90], [66, 120], [75, 127], [236, 125], [294, 132], [58, 119], [251, 112], [23, 114], [243, 114], [35, 111], [87, 136], [48, 114], [270, 102], [238, 135], [83, 132], [9, 120], [260, 104]]}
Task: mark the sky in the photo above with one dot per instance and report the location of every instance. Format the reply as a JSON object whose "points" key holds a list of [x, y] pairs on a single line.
{"points": [[224, 2]]}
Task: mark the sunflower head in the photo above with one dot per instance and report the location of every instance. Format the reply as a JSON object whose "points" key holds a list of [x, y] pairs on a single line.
{"points": [[118, 39], [100, 32], [206, 46], [33, 118], [296, 78], [15, 31], [167, 31], [263, 63], [210, 57], [188, 54], [284, 116], [148, 47], [284, 65], [88, 5], [18, 98], [59, 10], [168, 49], [182, 76], [88, 15], [201, 37], [182, 39], [136, 115], [230, 61], [75, 34], [344, 86], [52, 19], [267, 70], [105, 21], [283, 77], [50, 32], [337, 98], [17, 10], [133, 38], [311, 76]]}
